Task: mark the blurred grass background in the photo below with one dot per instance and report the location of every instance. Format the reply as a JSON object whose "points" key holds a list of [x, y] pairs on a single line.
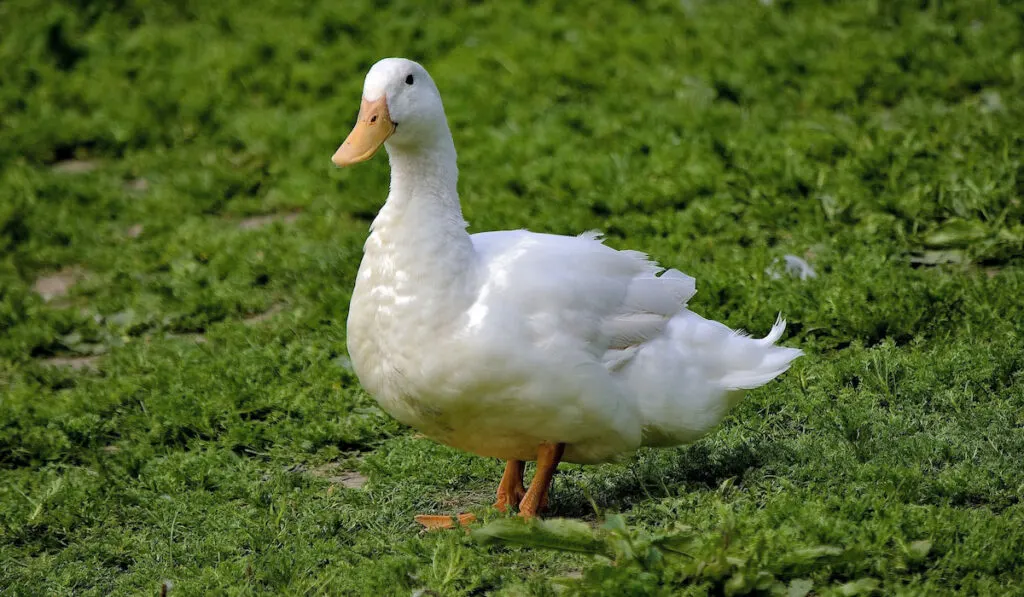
{"points": [[177, 253]]}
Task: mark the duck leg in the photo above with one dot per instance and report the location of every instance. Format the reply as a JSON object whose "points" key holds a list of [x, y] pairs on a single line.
{"points": [[511, 489], [536, 498]]}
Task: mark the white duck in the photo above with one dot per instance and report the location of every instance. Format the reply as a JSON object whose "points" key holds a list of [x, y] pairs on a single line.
{"points": [[518, 345]]}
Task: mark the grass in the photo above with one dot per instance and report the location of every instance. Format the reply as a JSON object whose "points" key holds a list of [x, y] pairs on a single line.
{"points": [[181, 410]]}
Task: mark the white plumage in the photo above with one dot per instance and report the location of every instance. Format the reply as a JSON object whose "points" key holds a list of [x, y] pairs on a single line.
{"points": [[498, 342]]}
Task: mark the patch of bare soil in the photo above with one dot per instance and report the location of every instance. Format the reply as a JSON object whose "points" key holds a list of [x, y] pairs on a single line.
{"points": [[261, 317], [334, 473], [253, 222], [90, 362], [75, 166], [57, 284], [137, 185]]}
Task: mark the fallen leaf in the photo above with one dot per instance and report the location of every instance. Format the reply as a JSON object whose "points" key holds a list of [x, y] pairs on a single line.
{"points": [[862, 586], [939, 257], [956, 233], [918, 550], [555, 533], [799, 587]]}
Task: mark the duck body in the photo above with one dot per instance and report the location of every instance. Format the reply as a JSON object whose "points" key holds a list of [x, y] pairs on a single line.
{"points": [[541, 338], [498, 342]]}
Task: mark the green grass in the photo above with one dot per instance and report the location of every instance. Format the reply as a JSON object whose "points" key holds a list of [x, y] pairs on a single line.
{"points": [[199, 445]]}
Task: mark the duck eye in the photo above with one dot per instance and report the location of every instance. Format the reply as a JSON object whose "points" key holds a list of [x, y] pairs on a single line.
{"points": [[408, 80]]}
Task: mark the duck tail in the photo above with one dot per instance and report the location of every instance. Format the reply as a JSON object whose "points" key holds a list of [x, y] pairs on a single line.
{"points": [[756, 361]]}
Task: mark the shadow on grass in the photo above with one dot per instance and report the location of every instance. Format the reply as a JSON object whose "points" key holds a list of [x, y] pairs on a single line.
{"points": [[659, 474]]}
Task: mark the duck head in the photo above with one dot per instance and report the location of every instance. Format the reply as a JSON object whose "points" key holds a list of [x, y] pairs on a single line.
{"points": [[401, 107]]}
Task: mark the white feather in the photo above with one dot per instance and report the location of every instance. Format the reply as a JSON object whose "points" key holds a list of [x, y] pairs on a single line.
{"points": [[499, 341]]}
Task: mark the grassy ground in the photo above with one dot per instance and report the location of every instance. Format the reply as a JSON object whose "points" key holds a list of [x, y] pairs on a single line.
{"points": [[177, 253]]}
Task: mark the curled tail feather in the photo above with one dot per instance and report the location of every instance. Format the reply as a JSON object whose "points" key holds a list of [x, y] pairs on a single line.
{"points": [[762, 360]]}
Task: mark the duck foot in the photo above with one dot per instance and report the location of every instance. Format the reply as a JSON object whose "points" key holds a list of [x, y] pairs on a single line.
{"points": [[437, 522], [511, 489], [536, 498]]}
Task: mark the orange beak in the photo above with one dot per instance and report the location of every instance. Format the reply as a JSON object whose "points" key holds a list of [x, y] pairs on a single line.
{"points": [[373, 127]]}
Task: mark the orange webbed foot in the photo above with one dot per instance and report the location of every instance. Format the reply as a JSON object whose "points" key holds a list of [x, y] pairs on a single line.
{"points": [[437, 522], [536, 498], [511, 489]]}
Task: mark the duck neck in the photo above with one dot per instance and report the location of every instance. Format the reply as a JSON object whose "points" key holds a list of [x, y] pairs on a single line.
{"points": [[424, 183], [420, 230]]}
